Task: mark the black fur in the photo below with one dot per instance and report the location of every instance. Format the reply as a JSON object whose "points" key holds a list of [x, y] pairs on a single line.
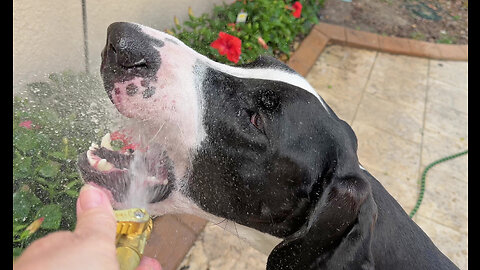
{"points": [[299, 178]]}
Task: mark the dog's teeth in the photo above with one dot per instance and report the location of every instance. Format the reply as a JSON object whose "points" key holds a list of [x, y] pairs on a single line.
{"points": [[104, 165], [94, 145], [91, 147], [90, 158], [106, 142], [165, 182]]}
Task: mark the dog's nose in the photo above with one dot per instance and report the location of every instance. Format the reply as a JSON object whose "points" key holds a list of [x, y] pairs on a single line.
{"points": [[126, 46], [128, 53]]}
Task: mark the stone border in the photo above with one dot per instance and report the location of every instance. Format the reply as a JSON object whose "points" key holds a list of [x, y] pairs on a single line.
{"points": [[173, 235], [323, 34]]}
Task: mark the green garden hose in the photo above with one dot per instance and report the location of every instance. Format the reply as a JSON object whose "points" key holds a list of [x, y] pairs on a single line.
{"points": [[424, 174]]}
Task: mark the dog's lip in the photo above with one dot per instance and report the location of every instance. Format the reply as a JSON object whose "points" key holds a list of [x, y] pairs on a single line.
{"points": [[109, 169], [97, 171]]}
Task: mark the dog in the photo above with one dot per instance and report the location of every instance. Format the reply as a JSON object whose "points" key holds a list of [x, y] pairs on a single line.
{"points": [[253, 144]]}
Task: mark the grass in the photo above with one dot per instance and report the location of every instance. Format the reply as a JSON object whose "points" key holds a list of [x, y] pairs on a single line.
{"points": [[446, 39], [418, 35]]}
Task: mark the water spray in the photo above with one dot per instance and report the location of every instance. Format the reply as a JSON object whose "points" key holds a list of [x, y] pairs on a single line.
{"points": [[136, 180], [134, 226]]}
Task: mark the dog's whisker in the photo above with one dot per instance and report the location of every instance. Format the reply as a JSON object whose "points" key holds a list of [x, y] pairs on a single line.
{"points": [[235, 226], [225, 227], [154, 136], [217, 224]]}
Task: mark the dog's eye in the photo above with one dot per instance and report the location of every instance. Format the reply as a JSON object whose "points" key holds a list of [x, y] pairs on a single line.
{"points": [[256, 120]]}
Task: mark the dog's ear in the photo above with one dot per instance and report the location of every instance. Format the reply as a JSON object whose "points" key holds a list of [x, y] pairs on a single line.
{"points": [[338, 232]]}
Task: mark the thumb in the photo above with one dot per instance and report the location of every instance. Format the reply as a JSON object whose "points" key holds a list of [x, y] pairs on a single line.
{"points": [[95, 215], [148, 263]]}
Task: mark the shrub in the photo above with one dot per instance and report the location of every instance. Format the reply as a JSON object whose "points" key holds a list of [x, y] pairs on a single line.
{"points": [[52, 123], [270, 20]]}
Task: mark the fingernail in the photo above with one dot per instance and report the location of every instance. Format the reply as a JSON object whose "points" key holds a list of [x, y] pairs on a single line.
{"points": [[90, 197]]}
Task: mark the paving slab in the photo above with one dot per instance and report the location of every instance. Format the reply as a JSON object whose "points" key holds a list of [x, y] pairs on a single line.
{"points": [[412, 112], [407, 112], [217, 249]]}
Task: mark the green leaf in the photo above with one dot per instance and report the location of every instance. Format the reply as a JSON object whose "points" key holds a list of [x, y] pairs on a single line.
{"points": [[284, 48], [22, 167], [71, 190], [25, 142], [72, 184], [17, 251], [52, 214], [23, 202], [49, 169], [72, 193], [21, 206], [18, 227], [57, 155]]}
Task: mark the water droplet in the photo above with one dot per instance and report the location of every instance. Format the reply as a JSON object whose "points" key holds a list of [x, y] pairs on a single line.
{"points": [[139, 214]]}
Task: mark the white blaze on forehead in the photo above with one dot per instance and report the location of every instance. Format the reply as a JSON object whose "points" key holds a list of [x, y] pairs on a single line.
{"points": [[271, 74]]}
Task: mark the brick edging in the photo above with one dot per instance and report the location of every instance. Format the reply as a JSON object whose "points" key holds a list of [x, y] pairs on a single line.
{"points": [[323, 34], [172, 237]]}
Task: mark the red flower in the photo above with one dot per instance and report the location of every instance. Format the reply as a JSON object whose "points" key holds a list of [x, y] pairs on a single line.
{"points": [[26, 124], [117, 135], [228, 45], [297, 6]]}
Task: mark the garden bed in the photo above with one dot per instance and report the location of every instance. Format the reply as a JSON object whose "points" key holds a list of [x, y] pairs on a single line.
{"points": [[436, 21], [249, 29]]}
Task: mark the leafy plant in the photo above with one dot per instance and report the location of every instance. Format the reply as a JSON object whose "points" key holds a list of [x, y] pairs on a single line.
{"points": [[53, 122], [270, 20]]}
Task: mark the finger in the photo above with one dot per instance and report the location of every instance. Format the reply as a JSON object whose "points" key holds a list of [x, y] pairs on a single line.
{"points": [[148, 263], [95, 215]]}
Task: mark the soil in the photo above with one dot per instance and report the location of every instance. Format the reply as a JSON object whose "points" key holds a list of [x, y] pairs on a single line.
{"points": [[438, 21]]}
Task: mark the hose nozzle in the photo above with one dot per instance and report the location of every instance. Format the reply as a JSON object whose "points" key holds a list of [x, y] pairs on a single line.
{"points": [[133, 230]]}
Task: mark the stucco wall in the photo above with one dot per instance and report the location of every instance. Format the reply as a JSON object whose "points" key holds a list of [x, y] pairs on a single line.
{"points": [[48, 34]]}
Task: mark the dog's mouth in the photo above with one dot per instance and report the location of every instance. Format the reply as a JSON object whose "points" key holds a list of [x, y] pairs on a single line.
{"points": [[120, 171]]}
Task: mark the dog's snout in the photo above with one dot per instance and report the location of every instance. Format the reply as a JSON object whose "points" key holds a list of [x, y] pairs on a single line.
{"points": [[125, 48], [129, 52]]}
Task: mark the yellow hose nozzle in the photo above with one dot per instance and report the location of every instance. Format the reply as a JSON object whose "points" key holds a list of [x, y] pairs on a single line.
{"points": [[133, 230]]}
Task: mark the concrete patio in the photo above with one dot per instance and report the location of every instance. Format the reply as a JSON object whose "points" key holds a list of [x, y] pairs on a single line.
{"points": [[406, 112]]}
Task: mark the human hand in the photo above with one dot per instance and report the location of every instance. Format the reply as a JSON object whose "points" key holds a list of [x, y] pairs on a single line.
{"points": [[90, 246]]}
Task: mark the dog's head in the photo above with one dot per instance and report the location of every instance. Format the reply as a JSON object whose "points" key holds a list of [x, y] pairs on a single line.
{"points": [[254, 144]]}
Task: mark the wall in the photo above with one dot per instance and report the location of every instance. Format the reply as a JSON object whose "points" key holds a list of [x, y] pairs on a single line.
{"points": [[48, 35]]}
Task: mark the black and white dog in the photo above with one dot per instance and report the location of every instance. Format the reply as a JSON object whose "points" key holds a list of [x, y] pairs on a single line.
{"points": [[255, 145]]}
